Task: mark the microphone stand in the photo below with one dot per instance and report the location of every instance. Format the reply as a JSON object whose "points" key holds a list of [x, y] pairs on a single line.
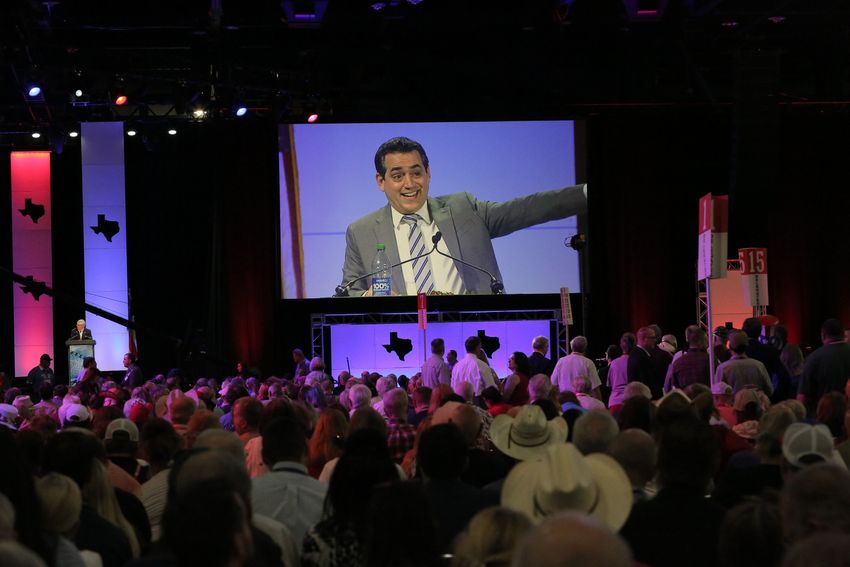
{"points": [[496, 286]]}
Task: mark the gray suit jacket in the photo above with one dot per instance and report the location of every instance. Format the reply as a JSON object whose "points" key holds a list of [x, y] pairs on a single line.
{"points": [[467, 225]]}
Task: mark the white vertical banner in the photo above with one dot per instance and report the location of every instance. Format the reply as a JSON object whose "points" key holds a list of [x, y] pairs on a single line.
{"points": [[105, 238]]}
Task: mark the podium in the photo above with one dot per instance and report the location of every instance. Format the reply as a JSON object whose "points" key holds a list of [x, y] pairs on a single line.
{"points": [[77, 351]]}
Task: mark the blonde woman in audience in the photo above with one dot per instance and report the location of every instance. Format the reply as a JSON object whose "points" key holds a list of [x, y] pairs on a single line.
{"points": [[100, 495], [490, 538]]}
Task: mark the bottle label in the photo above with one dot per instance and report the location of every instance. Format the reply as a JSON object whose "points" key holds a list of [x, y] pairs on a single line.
{"points": [[382, 285]]}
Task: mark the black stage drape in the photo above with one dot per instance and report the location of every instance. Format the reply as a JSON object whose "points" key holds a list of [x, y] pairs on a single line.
{"points": [[202, 216]]}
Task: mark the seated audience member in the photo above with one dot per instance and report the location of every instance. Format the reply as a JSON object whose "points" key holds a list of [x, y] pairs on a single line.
{"points": [[687, 457], [278, 408], [181, 412], [804, 444], [122, 444], [466, 392], [819, 550], [637, 453], [528, 435], [723, 403], [490, 538], [400, 434], [751, 534], [441, 457], [76, 415], [565, 480], [200, 421], [75, 454], [383, 385], [748, 410], [741, 478], [336, 541], [539, 388], [483, 467], [830, 412], [421, 399], [568, 539], [515, 387], [741, 371], [159, 444], [594, 432], [581, 387], [815, 500], [246, 418], [46, 406], [359, 397], [327, 440], [637, 412], [61, 503], [290, 495], [494, 402], [397, 512]]}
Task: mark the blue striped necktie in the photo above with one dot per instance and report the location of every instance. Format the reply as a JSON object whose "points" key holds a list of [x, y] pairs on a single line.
{"points": [[421, 267]]}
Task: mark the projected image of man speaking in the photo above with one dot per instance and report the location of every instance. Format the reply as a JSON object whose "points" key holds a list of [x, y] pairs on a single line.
{"points": [[407, 224]]}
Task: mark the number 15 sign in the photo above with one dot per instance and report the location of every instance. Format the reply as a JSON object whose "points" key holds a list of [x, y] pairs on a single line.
{"points": [[713, 236], [754, 275]]}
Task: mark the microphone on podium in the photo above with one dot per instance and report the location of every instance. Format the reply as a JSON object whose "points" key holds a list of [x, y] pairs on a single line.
{"points": [[496, 286], [342, 290]]}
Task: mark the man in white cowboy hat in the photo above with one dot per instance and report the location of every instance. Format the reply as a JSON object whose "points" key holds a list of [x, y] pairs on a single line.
{"points": [[565, 480], [528, 435]]}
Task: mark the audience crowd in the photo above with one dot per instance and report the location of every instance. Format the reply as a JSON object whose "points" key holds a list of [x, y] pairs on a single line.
{"points": [[650, 458]]}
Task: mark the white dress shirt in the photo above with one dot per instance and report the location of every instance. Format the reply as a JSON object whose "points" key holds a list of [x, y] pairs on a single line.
{"points": [[473, 370], [572, 365], [291, 496], [446, 276]]}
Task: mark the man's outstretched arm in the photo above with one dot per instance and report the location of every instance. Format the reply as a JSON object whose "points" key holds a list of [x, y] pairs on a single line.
{"points": [[509, 216]]}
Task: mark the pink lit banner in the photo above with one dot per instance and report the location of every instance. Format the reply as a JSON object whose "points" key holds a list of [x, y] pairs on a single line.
{"points": [[31, 256], [105, 238]]}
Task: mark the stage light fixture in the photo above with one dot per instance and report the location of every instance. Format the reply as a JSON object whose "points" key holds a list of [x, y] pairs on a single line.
{"points": [[199, 113], [78, 93], [73, 133], [312, 118], [36, 135], [172, 132], [121, 100], [241, 110], [131, 133], [34, 91]]}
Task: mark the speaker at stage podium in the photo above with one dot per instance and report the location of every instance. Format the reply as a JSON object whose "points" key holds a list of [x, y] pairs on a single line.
{"points": [[77, 351]]}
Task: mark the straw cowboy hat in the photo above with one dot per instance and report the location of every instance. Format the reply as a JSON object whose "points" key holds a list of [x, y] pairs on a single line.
{"points": [[528, 435], [564, 479]]}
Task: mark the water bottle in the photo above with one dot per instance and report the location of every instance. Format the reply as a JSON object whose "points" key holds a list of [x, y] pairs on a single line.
{"points": [[382, 281]]}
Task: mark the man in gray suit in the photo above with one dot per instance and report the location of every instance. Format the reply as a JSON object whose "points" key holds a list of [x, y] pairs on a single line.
{"points": [[467, 225]]}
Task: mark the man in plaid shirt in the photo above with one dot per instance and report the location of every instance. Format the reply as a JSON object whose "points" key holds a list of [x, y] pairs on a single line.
{"points": [[401, 434]]}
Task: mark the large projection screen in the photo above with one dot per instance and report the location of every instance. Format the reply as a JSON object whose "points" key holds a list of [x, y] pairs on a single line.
{"points": [[494, 161]]}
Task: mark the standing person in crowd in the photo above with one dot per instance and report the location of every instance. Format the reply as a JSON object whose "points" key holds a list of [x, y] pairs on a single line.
{"points": [[693, 366], [472, 369], [640, 366], [538, 362], [515, 386], [302, 366], [133, 378], [741, 370], [769, 356], [41, 374], [618, 374], [451, 359], [826, 369], [435, 371], [576, 364]]}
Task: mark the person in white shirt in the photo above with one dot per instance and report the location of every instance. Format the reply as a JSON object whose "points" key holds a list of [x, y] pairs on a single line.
{"points": [[288, 493], [576, 364], [471, 369], [435, 371]]}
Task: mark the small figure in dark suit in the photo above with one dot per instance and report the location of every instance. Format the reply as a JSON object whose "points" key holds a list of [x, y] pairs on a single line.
{"points": [[80, 332], [133, 378]]}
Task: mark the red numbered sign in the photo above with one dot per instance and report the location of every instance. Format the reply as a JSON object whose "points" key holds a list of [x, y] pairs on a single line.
{"points": [[753, 261]]}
